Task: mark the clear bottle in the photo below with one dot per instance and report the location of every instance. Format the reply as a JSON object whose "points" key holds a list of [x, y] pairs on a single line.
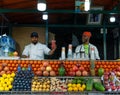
{"points": [[63, 54], [69, 54], [19, 68], [29, 68], [92, 57]]}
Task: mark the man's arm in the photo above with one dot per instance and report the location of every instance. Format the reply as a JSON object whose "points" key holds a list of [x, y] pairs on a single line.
{"points": [[25, 52], [52, 51]]}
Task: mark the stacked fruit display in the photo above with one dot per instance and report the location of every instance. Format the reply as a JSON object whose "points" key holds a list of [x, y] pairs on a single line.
{"points": [[40, 84], [77, 84], [6, 82], [4, 69], [111, 81], [22, 80], [78, 71], [46, 70], [58, 85]]}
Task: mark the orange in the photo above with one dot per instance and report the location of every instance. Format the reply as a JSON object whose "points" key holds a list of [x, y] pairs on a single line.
{"points": [[35, 69], [35, 61], [31, 62], [14, 61], [18, 61]]}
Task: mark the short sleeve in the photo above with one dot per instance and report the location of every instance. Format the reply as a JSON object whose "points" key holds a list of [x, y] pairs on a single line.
{"points": [[46, 50], [26, 51]]}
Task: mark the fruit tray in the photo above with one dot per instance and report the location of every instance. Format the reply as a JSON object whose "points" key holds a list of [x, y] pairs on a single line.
{"points": [[59, 93]]}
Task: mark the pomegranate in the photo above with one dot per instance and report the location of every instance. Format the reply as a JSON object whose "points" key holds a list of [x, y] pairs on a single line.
{"points": [[75, 68], [4, 64], [45, 73], [71, 73], [38, 73], [2, 72], [78, 73], [1, 68], [52, 73], [6, 68], [42, 68], [81, 68], [85, 73], [45, 63]]}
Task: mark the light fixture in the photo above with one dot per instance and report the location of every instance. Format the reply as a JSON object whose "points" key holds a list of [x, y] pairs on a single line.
{"points": [[112, 19], [45, 16], [41, 5], [87, 5]]}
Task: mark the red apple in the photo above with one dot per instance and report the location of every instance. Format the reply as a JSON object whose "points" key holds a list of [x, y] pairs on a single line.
{"points": [[118, 69], [107, 87], [75, 68], [81, 68], [105, 77], [113, 87]]}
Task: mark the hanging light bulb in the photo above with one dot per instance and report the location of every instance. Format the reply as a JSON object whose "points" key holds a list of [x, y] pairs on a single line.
{"points": [[45, 16], [41, 5], [112, 19], [87, 5]]}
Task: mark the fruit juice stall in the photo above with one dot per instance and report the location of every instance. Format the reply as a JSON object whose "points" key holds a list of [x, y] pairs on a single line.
{"points": [[59, 77]]}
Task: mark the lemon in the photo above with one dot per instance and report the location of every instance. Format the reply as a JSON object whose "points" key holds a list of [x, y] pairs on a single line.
{"points": [[6, 88], [83, 86], [8, 82], [11, 79], [8, 76], [4, 75], [1, 88], [69, 85], [81, 89], [78, 85], [75, 89], [73, 85], [13, 75], [10, 86], [70, 89]]}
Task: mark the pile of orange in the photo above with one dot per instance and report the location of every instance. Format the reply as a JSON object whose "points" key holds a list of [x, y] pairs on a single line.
{"points": [[68, 64]]}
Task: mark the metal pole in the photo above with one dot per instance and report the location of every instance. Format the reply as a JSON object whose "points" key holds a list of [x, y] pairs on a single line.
{"points": [[104, 41], [119, 43], [46, 34], [115, 53]]}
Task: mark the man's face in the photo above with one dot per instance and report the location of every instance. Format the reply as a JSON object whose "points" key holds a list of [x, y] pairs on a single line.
{"points": [[85, 38], [34, 40]]}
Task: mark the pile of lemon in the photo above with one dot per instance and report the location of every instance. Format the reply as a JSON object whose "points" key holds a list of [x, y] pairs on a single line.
{"points": [[6, 82], [76, 87]]}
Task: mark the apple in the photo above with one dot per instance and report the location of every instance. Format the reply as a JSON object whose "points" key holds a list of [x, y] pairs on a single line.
{"points": [[106, 82], [81, 68], [114, 88], [107, 87], [75, 68], [105, 77], [118, 69]]}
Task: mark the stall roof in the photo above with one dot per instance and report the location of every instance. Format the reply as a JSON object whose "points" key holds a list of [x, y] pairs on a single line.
{"points": [[25, 11]]}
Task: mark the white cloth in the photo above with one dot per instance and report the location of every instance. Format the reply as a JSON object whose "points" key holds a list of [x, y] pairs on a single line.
{"points": [[88, 56], [36, 51]]}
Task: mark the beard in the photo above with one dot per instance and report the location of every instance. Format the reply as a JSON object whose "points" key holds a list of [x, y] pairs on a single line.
{"points": [[35, 42], [85, 40]]}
